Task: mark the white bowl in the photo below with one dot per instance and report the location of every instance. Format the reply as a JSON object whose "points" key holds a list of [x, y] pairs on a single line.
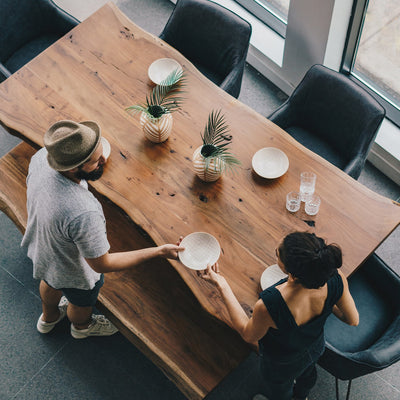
{"points": [[161, 68], [201, 249], [270, 162], [271, 275], [106, 147]]}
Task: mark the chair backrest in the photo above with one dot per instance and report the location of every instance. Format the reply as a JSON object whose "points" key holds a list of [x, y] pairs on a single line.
{"points": [[375, 343], [24, 20], [208, 34], [330, 105]]}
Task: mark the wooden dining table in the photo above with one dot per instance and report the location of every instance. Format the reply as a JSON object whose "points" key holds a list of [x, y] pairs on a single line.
{"points": [[100, 68]]}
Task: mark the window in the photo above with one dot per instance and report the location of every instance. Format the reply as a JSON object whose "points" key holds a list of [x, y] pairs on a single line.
{"points": [[273, 12], [373, 53]]}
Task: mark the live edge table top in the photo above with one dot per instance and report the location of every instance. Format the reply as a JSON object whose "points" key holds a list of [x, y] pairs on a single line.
{"points": [[100, 68]]}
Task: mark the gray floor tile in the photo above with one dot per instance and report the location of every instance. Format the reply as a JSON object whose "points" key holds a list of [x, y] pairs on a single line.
{"points": [[368, 387], [389, 250], [7, 141], [151, 15], [371, 387], [259, 93], [324, 389], [23, 350], [14, 260], [241, 384], [391, 375], [99, 368], [373, 179], [379, 183]]}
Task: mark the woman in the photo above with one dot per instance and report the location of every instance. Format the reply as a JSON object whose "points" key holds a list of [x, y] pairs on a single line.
{"points": [[288, 319]]}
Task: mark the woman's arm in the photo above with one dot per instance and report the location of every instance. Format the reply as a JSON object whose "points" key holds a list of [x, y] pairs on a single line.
{"points": [[345, 309], [251, 329]]}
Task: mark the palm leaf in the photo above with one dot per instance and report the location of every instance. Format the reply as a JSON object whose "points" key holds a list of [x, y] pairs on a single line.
{"points": [[215, 141], [164, 98], [136, 109], [216, 129], [167, 93]]}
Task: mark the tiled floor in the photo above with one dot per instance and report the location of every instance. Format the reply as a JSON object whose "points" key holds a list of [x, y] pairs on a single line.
{"points": [[56, 367]]}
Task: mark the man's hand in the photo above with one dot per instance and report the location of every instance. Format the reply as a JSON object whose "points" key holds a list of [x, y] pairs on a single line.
{"points": [[112, 262], [171, 250]]}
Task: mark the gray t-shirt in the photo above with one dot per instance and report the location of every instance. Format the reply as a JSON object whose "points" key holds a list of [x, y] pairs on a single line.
{"points": [[66, 224]]}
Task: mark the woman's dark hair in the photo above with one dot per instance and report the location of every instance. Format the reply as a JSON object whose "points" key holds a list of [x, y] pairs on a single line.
{"points": [[308, 258]]}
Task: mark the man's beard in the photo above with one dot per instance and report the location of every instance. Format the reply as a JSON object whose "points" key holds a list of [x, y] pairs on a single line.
{"points": [[89, 176]]}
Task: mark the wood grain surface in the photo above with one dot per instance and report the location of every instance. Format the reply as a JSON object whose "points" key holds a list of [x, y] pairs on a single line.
{"points": [[99, 68]]}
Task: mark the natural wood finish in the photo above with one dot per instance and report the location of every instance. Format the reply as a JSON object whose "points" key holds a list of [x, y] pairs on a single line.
{"points": [[100, 68], [150, 304], [13, 172]]}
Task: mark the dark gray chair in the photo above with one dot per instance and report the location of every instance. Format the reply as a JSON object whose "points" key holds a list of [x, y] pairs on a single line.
{"points": [[332, 116], [351, 352], [27, 28], [213, 38]]}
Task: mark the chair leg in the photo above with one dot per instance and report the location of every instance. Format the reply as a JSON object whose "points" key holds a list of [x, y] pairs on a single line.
{"points": [[348, 390], [337, 388]]}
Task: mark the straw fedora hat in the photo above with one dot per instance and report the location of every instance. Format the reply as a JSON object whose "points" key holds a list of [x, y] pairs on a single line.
{"points": [[69, 144]]}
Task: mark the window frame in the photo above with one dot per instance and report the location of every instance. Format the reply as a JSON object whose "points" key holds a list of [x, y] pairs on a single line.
{"points": [[349, 57], [265, 15]]}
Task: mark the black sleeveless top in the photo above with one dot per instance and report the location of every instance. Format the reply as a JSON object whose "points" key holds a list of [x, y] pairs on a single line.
{"points": [[289, 339]]}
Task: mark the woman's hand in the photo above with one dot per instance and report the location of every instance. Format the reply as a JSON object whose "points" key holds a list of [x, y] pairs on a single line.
{"points": [[211, 274]]}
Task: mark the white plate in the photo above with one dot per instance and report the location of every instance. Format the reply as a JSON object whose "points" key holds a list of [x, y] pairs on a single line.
{"points": [[201, 249], [106, 147], [271, 275], [270, 162], [161, 68]]}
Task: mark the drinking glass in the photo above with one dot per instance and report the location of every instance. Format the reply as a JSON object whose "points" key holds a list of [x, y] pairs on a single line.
{"points": [[307, 185], [312, 204], [293, 201]]}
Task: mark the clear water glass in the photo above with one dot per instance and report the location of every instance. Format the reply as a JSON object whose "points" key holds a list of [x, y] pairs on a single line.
{"points": [[312, 205], [293, 201], [307, 185]]}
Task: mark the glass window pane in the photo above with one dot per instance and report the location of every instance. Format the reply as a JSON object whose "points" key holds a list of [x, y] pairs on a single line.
{"points": [[378, 56], [279, 7], [273, 13]]}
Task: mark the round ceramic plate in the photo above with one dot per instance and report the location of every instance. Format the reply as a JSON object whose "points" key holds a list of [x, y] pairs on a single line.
{"points": [[106, 147], [161, 68], [271, 275], [201, 249], [270, 162]]}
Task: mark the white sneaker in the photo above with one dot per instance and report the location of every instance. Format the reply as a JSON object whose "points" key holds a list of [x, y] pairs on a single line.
{"points": [[259, 397], [100, 326], [46, 327]]}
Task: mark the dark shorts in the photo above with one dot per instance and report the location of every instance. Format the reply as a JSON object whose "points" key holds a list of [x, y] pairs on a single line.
{"points": [[81, 297]]}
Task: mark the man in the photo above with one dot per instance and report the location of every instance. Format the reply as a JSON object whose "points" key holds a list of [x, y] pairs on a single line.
{"points": [[66, 232]]}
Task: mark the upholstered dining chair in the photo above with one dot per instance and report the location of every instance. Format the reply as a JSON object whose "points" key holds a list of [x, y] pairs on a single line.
{"points": [[374, 344], [332, 116], [27, 28], [213, 38]]}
